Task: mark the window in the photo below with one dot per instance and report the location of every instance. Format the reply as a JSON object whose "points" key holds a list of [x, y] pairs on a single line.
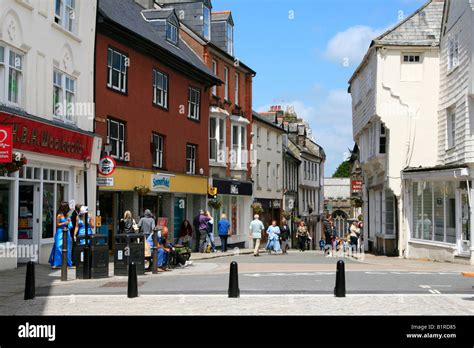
{"points": [[235, 144], [171, 33], [206, 28], [191, 151], [116, 138], [268, 175], [411, 58], [226, 83], [160, 88], [268, 138], [382, 140], [389, 213], [258, 135], [230, 39], [11, 75], [158, 149], [236, 96], [258, 174], [277, 176], [117, 68], [217, 139], [65, 14], [451, 127], [305, 170], [64, 91], [453, 52], [243, 147], [194, 100], [214, 70]]}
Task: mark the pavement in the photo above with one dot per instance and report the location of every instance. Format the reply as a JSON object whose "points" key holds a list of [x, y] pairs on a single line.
{"points": [[298, 283]]}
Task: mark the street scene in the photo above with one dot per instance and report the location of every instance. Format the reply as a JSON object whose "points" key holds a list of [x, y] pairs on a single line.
{"points": [[237, 158]]}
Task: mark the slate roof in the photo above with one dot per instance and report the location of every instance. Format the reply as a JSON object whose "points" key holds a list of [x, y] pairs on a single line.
{"points": [[422, 28], [157, 14], [128, 14], [170, 2], [220, 15], [267, 121]]}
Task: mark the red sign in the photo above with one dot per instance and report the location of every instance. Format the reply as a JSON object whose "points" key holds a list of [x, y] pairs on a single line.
{"points": [[356, 185], [6, 144], [106, 166], [47, 139]]}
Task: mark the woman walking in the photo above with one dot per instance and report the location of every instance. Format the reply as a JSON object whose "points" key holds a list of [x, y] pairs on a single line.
{"points": [[284, 235], [127, 223], [224, 231], [80, 229], [273, 244], [55, 259], [302, 234], [354, 236]]}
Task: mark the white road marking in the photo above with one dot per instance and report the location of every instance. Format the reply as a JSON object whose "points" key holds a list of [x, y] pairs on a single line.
{"points": [[425, 286], [376, 273]]}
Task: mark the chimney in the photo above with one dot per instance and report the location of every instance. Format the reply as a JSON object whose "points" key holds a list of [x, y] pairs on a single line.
{"points": [[301, 138], [146, 4]]}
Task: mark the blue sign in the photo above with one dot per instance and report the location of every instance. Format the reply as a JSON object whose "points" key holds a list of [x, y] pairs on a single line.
{"points": [[160, 182]]}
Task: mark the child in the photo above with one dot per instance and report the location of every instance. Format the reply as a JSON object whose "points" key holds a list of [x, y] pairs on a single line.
{"points": [[322, 244]]}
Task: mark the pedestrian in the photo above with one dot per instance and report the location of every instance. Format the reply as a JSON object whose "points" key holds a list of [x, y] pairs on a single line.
{"points": [[273, 244], [56, 257], [203, 228], [224, 231], [322, 244], [127, 223], [74, 213], [302, 234], [256, 228], [185, 233], [210, 231], [163, 249], [80, 229], [147, 223], [327, 230], [284, 235], [354, 236]]}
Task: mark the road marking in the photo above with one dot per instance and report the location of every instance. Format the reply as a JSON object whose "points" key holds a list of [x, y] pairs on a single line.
{"points": [[376, 273], [425, 286]]}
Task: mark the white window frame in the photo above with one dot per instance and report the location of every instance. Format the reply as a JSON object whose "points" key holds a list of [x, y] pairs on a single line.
{"points": [[158, 141], [67, 16], [6, 67], [453, 52], [239, 148], [161, 91], [120, 142], [219, 139], [226, 83], [191, 160], [122, 71], [67, 89], [194, 103], [236, 89], [214, 70], [171, 33]]}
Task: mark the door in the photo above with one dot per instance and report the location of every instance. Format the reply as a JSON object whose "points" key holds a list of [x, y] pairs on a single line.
{"points": [[28, 222], [464, 244]]}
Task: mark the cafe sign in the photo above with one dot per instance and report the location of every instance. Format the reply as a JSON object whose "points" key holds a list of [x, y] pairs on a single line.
{"points": [[160, 182]]}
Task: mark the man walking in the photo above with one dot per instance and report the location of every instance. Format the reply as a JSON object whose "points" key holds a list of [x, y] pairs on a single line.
{"points": [[256, 228], [203, 229]]}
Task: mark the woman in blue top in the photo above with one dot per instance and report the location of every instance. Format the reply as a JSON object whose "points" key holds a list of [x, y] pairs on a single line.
{"points": [[273, 238], [55, 259], [80, 229], [224, 231]]}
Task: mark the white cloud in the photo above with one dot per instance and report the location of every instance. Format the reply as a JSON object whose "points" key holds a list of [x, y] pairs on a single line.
{"points": [[351, 44], [331, 123]]}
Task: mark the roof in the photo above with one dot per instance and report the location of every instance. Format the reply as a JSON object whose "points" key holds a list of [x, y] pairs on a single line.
{"points": [[152, 15], [170, 2], [422, 28], [268, 122], [225, 15], [128, 14]]}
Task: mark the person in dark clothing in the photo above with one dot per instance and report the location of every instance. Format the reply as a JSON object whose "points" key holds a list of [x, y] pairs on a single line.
{"points": [[126, 224], [74, 215], [284, 235], [328, 230]]}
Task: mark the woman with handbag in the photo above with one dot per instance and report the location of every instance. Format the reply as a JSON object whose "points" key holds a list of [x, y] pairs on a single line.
{"points": [[224, 231], [127, 224]]}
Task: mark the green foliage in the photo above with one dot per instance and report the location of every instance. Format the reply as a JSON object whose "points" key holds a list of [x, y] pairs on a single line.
{"points": [[343, 171]]}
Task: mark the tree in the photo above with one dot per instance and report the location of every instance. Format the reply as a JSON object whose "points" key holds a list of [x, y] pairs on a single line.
{"points": [[343, 171]]}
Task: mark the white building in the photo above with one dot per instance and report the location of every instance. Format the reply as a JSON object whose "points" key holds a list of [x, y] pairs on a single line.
{"points": [[337, 200], [46, 95], [438, 214], [394, 97], [268, 173]]}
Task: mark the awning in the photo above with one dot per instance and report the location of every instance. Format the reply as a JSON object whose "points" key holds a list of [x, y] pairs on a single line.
{"points": [[239, 119], [437, 173]]}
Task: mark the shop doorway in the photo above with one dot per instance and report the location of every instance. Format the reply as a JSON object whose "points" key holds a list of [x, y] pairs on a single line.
{"points": [[28, 222]]}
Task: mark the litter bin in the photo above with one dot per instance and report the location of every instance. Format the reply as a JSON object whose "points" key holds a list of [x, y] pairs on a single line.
{"points": [[136, 253], [99, 256]]}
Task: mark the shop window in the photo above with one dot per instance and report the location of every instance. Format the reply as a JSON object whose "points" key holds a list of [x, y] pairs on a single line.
{"points": [[5, 211], [450, 212], [48, 211]]}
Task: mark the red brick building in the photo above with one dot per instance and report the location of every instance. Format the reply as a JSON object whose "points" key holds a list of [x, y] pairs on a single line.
{"points": [[152, 111]]}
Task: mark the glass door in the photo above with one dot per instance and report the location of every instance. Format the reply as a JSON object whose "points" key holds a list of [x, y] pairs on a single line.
{"points": [[28, 222]]}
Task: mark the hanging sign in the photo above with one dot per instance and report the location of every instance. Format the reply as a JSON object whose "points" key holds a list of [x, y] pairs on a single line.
{"points": [[106, 166]]}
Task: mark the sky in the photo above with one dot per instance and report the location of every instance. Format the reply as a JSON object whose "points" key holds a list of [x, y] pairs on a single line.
{"points": [[304, 53]]}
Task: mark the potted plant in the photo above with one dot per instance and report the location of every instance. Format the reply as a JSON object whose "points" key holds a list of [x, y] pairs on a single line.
{"points": [[286, 214], [18, 161], [257, 208], [215, 203]]}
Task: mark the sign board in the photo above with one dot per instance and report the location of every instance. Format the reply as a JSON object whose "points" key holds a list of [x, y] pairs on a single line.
{"points": [[356, 186], [6, 144], [106, 166], [160, 182], [101, 181]]}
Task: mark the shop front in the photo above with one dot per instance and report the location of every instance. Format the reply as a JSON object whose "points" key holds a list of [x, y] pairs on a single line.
{"points": [[236, 198], [171, 198], [439, 215], [30, 197]]}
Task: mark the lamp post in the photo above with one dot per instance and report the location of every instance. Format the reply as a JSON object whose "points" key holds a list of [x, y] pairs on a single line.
{"points": [[87, 263]]}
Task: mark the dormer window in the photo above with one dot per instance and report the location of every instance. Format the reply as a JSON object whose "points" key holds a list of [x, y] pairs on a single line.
{"points": [[230, 39], [206, 28], [172, 33]]}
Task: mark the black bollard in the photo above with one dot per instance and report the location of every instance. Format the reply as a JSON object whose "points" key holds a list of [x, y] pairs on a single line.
{"points": [[234, 291], [340, 289], [132, 281], [64, 255], [30, 281], [154, 258]]}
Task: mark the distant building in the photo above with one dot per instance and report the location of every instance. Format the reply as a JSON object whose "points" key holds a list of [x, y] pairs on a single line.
{"points": [[337, 202]]}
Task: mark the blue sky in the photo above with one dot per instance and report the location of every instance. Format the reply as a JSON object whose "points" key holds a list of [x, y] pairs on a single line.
{"points": [[298, 49]]}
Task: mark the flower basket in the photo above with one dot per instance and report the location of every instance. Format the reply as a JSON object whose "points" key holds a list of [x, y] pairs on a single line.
{"points": [[141, 190], [286, 214], [19, 161], [215, 203], [257, 208]]}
